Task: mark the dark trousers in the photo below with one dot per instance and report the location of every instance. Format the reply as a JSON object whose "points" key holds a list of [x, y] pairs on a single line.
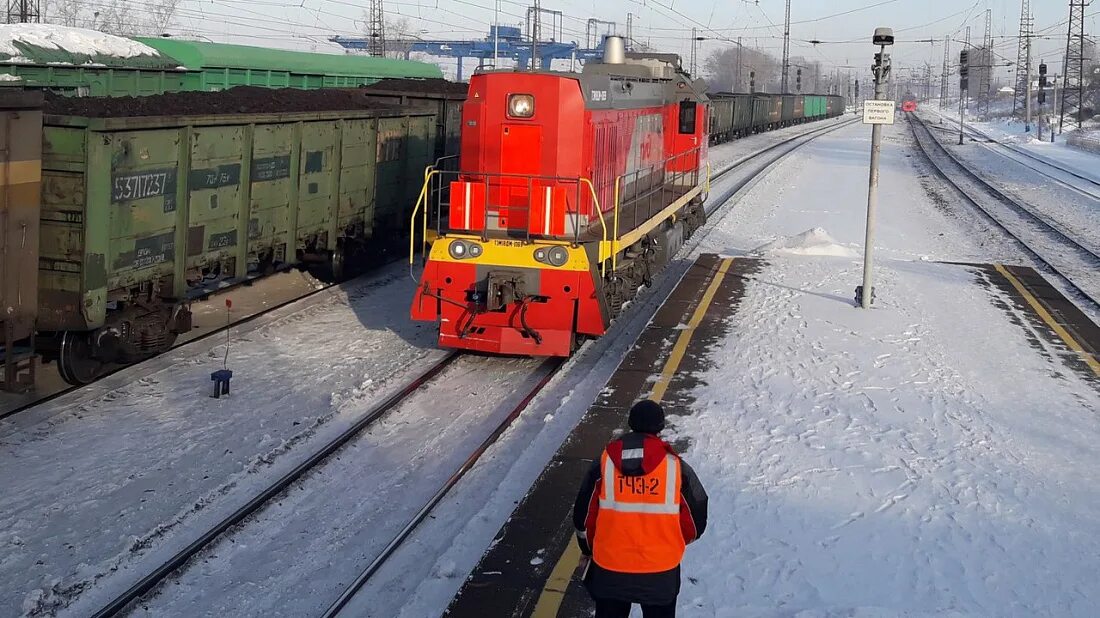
{"points": [[606, 608]]}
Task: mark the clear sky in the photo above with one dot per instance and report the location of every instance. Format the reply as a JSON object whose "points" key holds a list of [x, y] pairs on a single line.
{"points": [[844, 27]]}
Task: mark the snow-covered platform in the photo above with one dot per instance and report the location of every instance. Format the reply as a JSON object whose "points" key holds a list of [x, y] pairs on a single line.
{"points": [[935, 454]]}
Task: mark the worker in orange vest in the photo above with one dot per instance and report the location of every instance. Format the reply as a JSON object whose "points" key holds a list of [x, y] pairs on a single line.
{"points": [[637, 509]]}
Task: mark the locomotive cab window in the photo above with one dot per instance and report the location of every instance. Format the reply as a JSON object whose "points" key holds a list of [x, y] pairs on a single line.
{"points": [[687, 117]]}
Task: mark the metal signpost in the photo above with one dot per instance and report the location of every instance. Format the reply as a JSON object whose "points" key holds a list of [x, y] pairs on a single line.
{"points": [[876, 113]]}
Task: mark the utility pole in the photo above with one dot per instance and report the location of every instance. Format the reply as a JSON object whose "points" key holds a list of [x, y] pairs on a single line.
{"points": [[536, 28], [865, 294], [986, 66], [1023, 60], [738, 89], [694, 38], [629, 31], [24, 11], [786, 48], [1073, 82], [1027, 123], [496, 34], [944, 83], [377, 30]]}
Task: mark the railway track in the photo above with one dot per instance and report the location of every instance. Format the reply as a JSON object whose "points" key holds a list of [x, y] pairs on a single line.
{"points": [[154, 579], [1074, 180], [1062, 254], [166, 569]]}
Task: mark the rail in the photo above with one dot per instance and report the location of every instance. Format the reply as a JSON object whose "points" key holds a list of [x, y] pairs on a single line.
{"points": [[158, 575]]}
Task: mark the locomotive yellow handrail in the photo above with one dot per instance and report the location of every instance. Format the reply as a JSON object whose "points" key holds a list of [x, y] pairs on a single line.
{"points": [[421, 199], [603, 224]]}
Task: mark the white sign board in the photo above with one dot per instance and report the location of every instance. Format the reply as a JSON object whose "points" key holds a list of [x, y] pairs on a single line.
{"points": [[878, 112]]}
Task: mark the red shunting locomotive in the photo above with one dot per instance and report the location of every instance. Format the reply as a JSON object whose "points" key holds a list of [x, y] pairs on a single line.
{"points": [[573, 189]]}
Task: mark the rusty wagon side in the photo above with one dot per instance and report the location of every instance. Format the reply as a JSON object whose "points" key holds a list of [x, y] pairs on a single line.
{"points": [[20, 176]]}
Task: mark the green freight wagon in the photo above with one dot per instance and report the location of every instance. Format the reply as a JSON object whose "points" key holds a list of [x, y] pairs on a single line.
{"points": [[142, 214], [88, 63], [217, 66]]}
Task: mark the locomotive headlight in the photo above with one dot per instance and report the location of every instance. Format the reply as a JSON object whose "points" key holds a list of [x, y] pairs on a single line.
{"points": [[557, 256], [521, 105], [540, 255], [462, 249]]}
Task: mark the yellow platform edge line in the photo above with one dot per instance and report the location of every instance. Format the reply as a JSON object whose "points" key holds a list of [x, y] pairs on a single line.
{"points": [[554, 591], [1045, 316]]}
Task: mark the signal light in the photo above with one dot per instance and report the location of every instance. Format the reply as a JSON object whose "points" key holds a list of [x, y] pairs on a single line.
{"points": [[1042, 68]]}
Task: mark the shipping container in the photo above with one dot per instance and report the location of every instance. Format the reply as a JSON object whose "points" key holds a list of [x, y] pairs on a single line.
{"points": [[20, 175], [141, 214]]}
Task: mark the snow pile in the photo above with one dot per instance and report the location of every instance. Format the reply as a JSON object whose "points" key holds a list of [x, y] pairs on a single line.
{"points": [[8, 77], [814, 241], [72, 40]]}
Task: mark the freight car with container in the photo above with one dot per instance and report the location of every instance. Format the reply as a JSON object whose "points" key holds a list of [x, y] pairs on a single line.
{"points": [[538, 246]]}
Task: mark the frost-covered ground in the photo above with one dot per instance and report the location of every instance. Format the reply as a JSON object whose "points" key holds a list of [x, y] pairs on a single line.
{"points": [[1013, 132], [128, 468], [931, 456]]}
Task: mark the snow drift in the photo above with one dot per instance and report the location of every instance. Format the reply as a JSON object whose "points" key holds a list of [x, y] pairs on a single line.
{"points": [[815, 241]]}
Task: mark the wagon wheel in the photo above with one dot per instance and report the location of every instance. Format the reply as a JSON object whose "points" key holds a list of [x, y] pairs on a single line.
{"points": [[75, 361]]}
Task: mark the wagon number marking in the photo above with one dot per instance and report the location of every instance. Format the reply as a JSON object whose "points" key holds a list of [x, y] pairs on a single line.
{"points": [[139, 186]]}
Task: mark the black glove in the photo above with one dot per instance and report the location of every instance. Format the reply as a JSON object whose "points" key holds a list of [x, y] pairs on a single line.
{"points": [[582, 541]]}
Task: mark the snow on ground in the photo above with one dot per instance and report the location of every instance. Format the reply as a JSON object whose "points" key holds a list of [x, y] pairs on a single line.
{"points": [[72, 40], [125, 470], [1011, 131], [296, 557], [931, 456]]}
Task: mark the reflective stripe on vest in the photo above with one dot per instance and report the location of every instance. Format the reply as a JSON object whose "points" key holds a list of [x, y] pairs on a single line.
{"points": [[670, 505], [637, 527]]}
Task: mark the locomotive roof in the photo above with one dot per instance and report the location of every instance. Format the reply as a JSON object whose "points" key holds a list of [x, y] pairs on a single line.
{"points": [[628, 85]]}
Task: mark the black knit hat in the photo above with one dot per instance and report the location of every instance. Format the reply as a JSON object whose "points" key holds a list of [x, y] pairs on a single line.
{"points": [[647, 416]]}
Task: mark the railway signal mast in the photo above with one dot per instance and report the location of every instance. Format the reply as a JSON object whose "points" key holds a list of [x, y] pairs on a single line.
{"points": [[964, 85], [1043, 98], [876, 113]]}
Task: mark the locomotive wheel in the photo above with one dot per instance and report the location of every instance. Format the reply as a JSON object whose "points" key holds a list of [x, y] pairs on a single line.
{"points": [[74, 360]]}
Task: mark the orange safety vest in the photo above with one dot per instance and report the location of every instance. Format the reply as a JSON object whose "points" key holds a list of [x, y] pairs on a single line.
{"points": [[638, 523]]}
